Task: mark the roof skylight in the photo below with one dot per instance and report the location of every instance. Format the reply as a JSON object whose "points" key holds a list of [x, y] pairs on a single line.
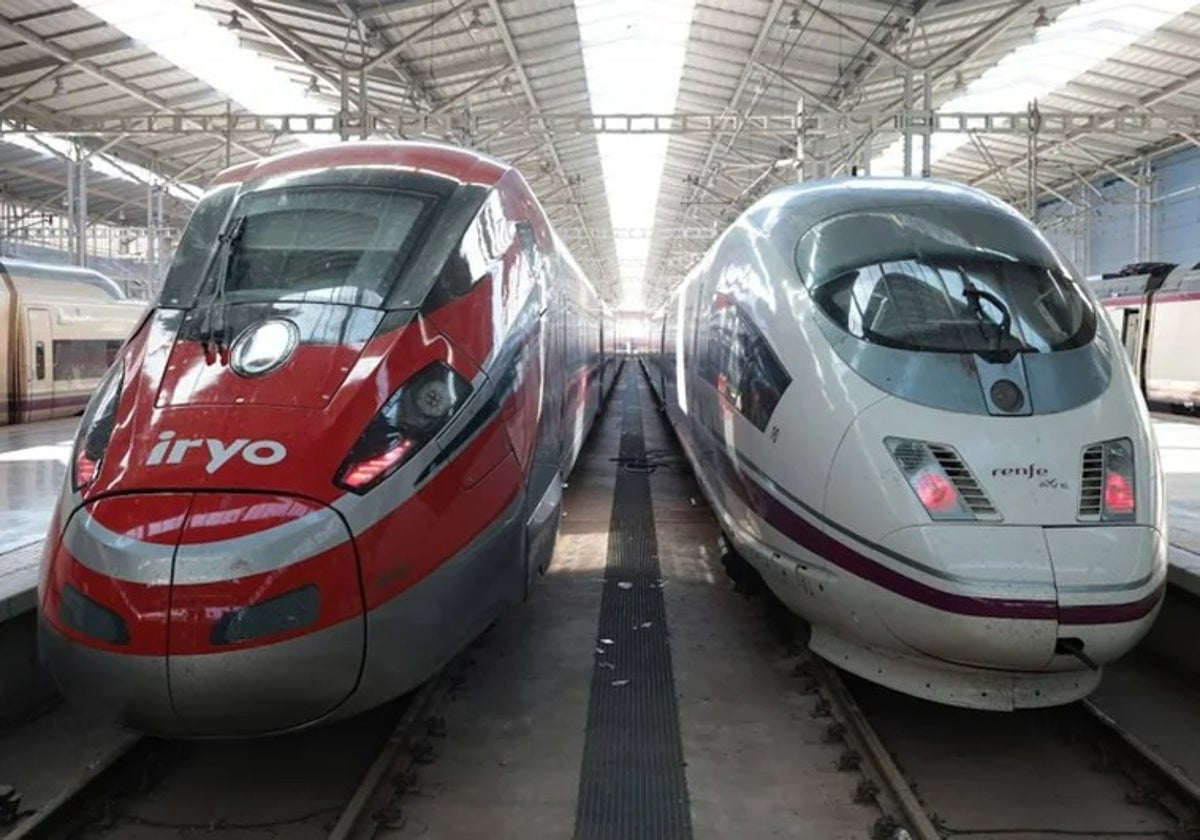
{"points": [[1080, 38], [194, 41], [633, 52]]}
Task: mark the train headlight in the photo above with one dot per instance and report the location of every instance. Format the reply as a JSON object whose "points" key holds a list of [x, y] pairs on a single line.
{"points": [[927, 477], [410, 418], [96, 427]]}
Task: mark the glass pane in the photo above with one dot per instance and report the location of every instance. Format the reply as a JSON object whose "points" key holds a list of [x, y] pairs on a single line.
{"points": [[941, 285], [320, 244]]}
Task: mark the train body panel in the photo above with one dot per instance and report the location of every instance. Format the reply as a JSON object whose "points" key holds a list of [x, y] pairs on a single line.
{"points": [[1153, 314], [900, 432], [368, 373]]}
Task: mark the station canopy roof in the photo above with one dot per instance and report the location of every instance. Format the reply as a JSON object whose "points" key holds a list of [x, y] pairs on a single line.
{"points": [[706, 104]]}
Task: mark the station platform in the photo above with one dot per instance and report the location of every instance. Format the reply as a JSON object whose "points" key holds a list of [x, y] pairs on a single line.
{"points": [[33, 461]]}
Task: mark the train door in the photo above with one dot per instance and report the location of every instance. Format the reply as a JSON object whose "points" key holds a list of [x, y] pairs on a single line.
{"points": [[1130, 332], [39, 376]]}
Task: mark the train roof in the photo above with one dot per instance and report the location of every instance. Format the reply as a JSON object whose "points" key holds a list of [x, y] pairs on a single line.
{"points": [[1110, 287], [29, 271], [1180, 278], [435, 158], [818, 200]]}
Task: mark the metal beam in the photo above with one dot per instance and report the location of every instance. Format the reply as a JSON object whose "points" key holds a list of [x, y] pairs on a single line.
{"points": [[420, 95], [1066, 125], [310, 57], [66, 57], [82, 54], [447, 104], [20, 93], [1111, 124]]}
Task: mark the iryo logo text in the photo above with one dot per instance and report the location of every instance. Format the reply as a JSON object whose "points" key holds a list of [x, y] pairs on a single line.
{"points": [[259, 453]]}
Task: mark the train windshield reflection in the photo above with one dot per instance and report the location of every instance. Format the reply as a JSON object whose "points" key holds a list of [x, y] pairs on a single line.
{"points": [[913, 284], [323, 244]]}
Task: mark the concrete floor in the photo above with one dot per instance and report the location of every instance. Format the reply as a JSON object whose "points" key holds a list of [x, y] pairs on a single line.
{"points": [[756, 762]]}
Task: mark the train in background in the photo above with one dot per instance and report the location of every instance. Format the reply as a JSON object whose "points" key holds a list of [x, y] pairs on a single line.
{"points": [[913, 422], [1155, 309], [60, 330], [334, 452]]}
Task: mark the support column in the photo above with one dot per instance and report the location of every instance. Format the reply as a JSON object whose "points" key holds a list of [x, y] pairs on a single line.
{"points": [[77, 204], [364, 127], [799, 160], [152, 257], [908, 138], [344, 111], [1145, 202], [1035, 122], [927, 143]]}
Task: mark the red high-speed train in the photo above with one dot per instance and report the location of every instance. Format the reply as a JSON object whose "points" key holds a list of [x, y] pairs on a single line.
{"points": [[332, 452]]}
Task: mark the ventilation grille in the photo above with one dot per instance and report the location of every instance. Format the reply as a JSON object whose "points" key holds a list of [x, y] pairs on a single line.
{"points": [[910, 455], [968, 488], [1091, 482]]}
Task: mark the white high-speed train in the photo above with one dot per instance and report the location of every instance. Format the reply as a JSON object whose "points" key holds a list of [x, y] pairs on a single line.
{"points": [[913, 422]]}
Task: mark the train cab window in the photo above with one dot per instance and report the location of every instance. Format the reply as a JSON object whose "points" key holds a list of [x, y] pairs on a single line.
{"points": [[328, 244], [930, 283], [39, 360], [300, 243]]}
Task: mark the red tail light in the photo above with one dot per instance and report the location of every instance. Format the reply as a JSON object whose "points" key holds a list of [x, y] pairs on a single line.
{"points": [[927, 478], [96, 427], [1120, 502], [410, 418], [1118, 494], [936, 492]]}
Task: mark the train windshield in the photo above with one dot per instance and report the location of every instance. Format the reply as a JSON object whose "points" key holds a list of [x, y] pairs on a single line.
{"points": [[317, 243], [949, 280]]}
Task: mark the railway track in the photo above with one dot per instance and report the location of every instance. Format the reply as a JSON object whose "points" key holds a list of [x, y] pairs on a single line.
{"points": [[339, 782], [939, 772]]}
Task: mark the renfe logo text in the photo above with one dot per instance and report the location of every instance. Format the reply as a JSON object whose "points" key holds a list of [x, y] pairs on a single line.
{"points": [[1030, 471]]}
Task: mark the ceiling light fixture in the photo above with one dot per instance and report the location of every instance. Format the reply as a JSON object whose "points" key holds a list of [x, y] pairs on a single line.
{"points": [[58, 88], [1041, 21], [235, 21], [313, 88], [476, 21], [794, 21]]}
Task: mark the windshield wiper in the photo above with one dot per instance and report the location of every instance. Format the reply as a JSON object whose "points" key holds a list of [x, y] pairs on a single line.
{"points": [[975, 297], [215, 333]]}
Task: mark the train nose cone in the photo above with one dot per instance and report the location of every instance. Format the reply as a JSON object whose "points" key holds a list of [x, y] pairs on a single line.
{"points": [[266, 614], [205, 614]]}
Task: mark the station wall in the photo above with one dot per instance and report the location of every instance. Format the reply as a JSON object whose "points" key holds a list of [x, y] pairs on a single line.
{"points": [[1116, 230]]}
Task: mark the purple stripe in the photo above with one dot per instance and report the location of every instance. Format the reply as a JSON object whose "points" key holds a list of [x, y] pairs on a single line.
{"points": [[1111, 613], [784, 519]]}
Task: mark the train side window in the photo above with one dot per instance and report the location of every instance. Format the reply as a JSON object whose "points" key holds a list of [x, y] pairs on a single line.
{"points": [[39, 360], [482, 246], [741, 365]]}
